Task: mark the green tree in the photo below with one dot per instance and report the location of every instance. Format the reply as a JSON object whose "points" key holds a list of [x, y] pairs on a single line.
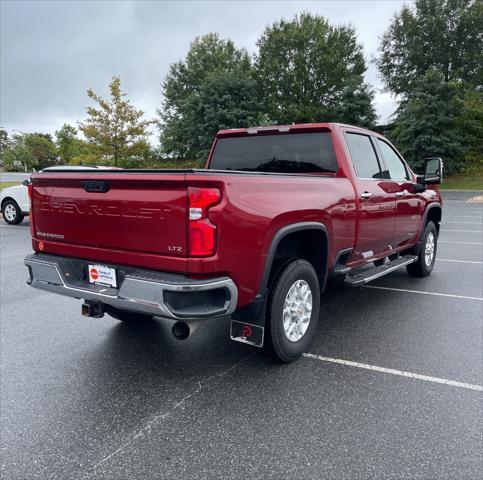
{"points": [[355, 106], [42, 148], [428, 123], [470, 127], [310, 71], [17, 156], [68, 144], [225, 100], [3, 144], [443, 35], [115, 131], [29, 151], [207, 55]]}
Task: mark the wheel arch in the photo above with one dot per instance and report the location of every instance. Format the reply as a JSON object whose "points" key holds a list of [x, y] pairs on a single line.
{"points": [[5, 199], [286, 245], [434, 213]]}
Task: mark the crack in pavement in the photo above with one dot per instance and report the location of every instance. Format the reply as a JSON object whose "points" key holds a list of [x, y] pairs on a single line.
{"points": [[163, 416]]}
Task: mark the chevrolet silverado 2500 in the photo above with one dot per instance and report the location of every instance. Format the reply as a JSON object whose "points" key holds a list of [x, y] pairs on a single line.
{"points": [[253, 236]]}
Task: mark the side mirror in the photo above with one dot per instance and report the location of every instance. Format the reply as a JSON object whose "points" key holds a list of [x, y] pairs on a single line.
{"points": [[433, 171], [25, 183], [418, 187]]}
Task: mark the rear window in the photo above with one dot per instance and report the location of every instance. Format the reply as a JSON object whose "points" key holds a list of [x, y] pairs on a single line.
{"points": [[284, 153]]}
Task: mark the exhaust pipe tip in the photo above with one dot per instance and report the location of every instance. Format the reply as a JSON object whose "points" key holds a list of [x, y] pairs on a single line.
{"points": [[181, 330]]}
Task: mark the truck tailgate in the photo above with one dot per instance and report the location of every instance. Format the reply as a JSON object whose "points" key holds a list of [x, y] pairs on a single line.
{"points": [[143, 213]]}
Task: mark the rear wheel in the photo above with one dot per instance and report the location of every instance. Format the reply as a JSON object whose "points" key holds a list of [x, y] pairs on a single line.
{"points": [[11, 212], [129, 317], [293, 311], [427, 254]]}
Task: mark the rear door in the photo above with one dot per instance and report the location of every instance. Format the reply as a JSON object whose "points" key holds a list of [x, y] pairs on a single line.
{"points": [[123, 212], [409, 206], [376, 200]]}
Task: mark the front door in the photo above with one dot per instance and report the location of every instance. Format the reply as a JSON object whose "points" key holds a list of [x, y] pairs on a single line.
{"points": [[377, 204], [409, 206]]}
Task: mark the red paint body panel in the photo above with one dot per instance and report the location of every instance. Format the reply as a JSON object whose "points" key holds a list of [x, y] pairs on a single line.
{"points": [[143, 213], [254, 209], [142, 220]]}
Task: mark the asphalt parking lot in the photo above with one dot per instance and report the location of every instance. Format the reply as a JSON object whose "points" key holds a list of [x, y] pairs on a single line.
{"points": [[98, 399]]}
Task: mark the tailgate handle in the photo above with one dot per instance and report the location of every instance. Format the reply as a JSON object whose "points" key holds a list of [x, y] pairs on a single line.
{"points": [[95, 186]]}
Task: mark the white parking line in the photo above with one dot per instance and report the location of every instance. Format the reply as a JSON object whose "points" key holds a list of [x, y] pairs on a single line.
{"points": [[457, 261], [463, 231], [471, 223], [392, 371], [464, 243], [424, 293]]}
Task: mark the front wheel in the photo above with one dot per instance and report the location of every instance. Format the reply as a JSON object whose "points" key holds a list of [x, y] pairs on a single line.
{"points": [[427, 254], [11, 212], [293, 311]]}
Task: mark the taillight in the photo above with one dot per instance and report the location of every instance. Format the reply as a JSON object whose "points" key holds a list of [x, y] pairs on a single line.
{"points": [[202, 232], [30, 190]]}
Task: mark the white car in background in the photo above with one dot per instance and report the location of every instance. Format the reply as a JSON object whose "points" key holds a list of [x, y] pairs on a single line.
{"points": [[14, 201]]}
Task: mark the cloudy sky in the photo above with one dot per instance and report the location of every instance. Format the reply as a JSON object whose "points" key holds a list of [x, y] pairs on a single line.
{"points": [[53, 51]]}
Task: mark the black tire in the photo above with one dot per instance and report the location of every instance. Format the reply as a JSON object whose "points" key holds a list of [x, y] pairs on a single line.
{"points": [[11, 212], [128, 317], [277, 343], [420, 268]]}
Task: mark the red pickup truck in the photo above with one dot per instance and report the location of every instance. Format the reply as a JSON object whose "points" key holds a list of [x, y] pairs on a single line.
{"points": [[254, 235]]}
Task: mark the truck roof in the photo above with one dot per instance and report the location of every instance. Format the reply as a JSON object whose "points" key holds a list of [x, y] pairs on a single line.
{"points": [[297, 127]]}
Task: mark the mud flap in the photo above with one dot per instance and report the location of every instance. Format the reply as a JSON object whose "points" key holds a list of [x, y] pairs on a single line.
{"points": [[247, 333]]}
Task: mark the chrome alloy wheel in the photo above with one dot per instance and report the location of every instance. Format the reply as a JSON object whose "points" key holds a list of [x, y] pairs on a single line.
{"points": [[429, 249], [10, 212], [297, 310]]}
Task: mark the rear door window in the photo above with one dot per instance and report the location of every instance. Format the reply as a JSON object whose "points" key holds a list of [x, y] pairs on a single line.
{"points": [[284, 153], [363, 156]]}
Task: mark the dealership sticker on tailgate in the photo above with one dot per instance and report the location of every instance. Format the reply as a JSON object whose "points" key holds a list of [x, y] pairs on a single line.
{"points": [[102, 275]]}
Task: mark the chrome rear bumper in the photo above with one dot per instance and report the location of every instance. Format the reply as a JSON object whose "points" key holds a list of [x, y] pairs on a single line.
{"points": [[142, 291]]}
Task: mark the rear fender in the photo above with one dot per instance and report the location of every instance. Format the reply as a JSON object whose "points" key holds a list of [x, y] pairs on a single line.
{"points": [[255, 312]]}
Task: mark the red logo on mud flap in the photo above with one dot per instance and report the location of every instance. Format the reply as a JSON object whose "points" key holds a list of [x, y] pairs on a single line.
{"points": [[247, 331], [94, 274]]}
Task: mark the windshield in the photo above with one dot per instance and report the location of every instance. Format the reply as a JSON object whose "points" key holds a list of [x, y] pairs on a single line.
{"points": [[283, 153]]}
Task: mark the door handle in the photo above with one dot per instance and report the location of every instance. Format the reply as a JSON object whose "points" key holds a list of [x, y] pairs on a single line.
{"points": [[401, 194], [366, 195]]}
